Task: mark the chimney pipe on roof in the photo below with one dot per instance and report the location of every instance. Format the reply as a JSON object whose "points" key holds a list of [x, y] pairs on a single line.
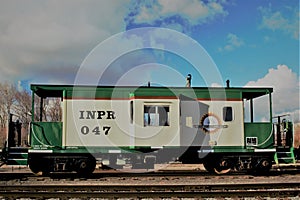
{"points": [[188, 80], [228, 83]]}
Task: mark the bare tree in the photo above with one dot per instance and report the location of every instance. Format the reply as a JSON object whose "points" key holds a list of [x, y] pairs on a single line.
{"points": [[54, 111], [7, 99], [22, 107]]}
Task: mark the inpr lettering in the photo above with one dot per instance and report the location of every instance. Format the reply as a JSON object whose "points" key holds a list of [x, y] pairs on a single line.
{"points": [[99, 114]]}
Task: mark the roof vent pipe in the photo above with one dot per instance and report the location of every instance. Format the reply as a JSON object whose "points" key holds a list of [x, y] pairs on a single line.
{"points": [[228, 83], [188, 80]]}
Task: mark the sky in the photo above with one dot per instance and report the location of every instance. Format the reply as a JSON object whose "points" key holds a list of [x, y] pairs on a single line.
{"points": [[250, 42]]}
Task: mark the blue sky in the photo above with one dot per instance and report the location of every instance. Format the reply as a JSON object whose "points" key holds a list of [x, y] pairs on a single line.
{"points": [[251, 42], [244, 36]]}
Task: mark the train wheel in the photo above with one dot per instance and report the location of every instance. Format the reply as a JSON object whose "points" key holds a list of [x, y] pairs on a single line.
{"points": [[222, 170], [35, 165], [262, 166], [39, 166], [36, 169], [86, 166], [209, 167], [223, 166]]}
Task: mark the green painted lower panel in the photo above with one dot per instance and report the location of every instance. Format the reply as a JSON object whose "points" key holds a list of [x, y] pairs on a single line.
{"points": [[44, 134], [259, 134]]}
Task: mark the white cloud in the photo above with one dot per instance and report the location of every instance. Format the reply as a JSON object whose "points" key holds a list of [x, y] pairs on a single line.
{"points": [[195, 11], [286, 90], [37, 35], [187, 13], [232, 42], [275, 20]]}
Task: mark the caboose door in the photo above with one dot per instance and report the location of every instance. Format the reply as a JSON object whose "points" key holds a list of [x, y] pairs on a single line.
{"points": [[191, 133]]}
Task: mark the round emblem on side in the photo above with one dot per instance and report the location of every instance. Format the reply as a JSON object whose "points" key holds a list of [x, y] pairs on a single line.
{"points": [[210, 123]]}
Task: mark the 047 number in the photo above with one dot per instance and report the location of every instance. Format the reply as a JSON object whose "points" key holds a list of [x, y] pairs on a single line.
{"points": [[96, 130]]}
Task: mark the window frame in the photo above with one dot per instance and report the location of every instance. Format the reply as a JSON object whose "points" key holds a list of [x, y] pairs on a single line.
{"points": [[152, 118], [228, 116]]}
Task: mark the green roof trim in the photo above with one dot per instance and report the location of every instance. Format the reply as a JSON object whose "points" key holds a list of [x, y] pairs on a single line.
{"points": [[126, 92]]}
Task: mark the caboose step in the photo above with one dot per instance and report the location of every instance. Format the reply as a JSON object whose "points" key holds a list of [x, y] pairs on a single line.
{"points": [[16, 162], [284, 155], [17, 156]]}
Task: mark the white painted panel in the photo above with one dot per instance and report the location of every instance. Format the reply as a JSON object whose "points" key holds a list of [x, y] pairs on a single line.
{"points": [[97, 123], [157, 135], [230, 133]]}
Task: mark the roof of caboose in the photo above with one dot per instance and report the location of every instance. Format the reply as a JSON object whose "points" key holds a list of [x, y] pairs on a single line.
{"points": [[125, 92]]}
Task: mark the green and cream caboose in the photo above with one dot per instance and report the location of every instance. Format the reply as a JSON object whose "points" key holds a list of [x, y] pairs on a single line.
{"points": [[143, 126]]}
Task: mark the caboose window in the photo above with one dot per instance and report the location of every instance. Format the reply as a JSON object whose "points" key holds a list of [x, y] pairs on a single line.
{"points": [[156, 115], [48, 109], [227, 114]]}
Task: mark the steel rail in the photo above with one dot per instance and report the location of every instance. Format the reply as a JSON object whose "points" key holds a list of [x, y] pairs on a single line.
{"points": [[158, 191]]}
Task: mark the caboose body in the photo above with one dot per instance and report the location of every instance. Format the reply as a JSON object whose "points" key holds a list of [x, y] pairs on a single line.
{"points": [[143, 126]]}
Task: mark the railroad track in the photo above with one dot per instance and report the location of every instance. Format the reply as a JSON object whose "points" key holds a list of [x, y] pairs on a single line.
{"points": [[10, 175], [165, 184], [62, 191]]}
